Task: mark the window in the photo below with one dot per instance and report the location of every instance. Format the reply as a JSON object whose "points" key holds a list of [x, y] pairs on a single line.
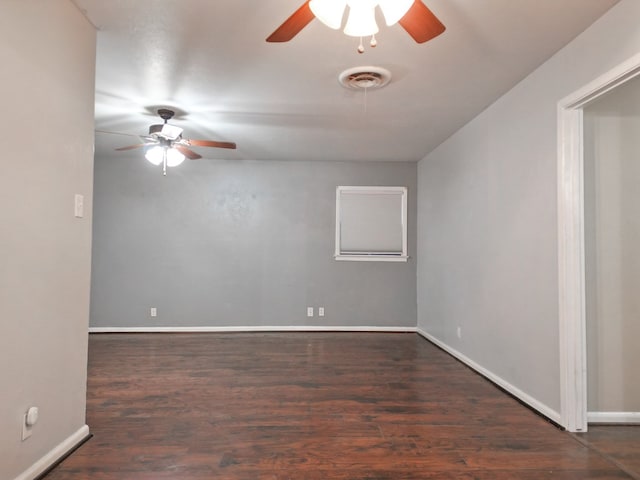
{"points": [[371, 224]]}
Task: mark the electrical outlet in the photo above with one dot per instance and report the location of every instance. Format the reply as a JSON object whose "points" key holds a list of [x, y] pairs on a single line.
{"points": [[459, 332], [28, 421], [309, 311], [26, 429], [153, 312], [321, 311]]}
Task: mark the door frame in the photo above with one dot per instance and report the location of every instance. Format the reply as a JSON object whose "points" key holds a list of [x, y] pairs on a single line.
{"points": [[571, 259]]}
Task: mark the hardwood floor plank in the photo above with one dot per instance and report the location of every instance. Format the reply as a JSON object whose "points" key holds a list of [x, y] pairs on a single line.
{"points": [[618, 443], [330, 406]]}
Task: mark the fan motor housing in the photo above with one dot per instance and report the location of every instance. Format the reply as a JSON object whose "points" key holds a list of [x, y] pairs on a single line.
{"points": [[164, 130]]}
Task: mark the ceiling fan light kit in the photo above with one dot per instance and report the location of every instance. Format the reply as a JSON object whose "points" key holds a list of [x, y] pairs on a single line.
{"points": [[394, 10], [329, 12], [174, 157], [413, 16], [156, 156], [361, 21]]}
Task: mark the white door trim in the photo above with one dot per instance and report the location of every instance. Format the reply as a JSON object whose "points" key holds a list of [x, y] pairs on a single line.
{"points": [[614, 418], [571, 268]]}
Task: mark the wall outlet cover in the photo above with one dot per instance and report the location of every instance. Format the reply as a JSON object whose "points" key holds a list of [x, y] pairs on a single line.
{"points": [[26, 430]]}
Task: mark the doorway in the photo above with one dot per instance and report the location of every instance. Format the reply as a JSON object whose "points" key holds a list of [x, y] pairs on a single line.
{"points": [[612, 254], [571, 241]]}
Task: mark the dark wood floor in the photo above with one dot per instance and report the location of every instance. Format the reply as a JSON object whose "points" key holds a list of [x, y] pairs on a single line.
{"points": [[618, 443], [308, 406]]}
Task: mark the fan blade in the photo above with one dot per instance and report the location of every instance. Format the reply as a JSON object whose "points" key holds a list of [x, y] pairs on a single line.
{"points": [[131, 147], [190, 154], [293, 25], [211, 143], [421, 23], [117, 133]]}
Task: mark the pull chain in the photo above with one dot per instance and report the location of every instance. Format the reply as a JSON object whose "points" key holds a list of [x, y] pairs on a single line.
{"points": [[365, 99], [164, 162], [373, 43]]}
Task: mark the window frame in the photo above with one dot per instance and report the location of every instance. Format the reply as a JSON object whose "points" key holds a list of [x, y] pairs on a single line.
{"points": [[371, 256]]}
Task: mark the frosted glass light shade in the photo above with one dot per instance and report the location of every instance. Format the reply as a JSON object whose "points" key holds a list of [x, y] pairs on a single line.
{"points": [[155, 155], [329, 12], [174, 157], [394, 10], [362, 19]]}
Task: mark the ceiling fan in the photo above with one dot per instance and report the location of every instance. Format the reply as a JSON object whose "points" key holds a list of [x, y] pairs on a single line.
{"points": [[166, 145], [413, 15]]}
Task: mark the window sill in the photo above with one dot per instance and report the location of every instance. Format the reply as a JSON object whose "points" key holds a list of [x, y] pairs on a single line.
{"points": [[371, 258]]}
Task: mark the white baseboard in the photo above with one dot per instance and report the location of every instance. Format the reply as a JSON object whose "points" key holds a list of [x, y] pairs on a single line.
{"points": [[632, 418], [298, 328], [516, 392], [54, 454]]}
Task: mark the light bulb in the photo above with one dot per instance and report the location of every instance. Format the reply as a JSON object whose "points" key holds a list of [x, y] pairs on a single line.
{"points": [[155, 155], [362, 19], [329, 12], [174, 157], [394, 10]]}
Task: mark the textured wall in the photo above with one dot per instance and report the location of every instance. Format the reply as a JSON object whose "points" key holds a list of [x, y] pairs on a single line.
{"points": [[47, 52], [239, 243], [487, 217]]}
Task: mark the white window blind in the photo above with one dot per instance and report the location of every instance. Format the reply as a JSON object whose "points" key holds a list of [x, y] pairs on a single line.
{"points": [[371, 223]]}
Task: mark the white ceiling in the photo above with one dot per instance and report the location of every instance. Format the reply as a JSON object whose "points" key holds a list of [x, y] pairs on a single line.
{"points": [[209, 60]]}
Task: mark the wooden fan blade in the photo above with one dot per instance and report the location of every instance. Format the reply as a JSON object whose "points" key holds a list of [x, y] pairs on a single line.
{"points": [[190, 154], [117, 133], [293, 25], [211, 143], [421, 23], [131, 147]]}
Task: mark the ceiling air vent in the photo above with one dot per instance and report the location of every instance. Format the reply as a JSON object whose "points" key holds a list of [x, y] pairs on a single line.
{"points": [[365, 78]]}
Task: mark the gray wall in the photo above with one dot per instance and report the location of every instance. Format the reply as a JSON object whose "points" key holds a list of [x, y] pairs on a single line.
{"points": [[612, 245], [487, 218], [239, 243], [47, 53]]}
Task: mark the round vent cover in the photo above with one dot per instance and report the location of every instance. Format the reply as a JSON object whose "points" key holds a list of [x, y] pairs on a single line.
{"points": [[365, 78]]}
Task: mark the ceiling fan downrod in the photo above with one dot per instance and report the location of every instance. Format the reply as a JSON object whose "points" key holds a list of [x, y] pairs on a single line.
{"points": [[166, 114]]}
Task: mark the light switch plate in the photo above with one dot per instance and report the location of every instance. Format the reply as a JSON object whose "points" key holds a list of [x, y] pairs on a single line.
{"points": [[78, 209]]}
